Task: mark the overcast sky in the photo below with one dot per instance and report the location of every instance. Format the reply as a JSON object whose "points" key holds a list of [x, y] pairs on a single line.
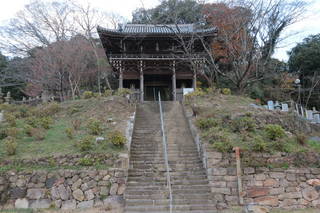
{"points": [[309, 25]]}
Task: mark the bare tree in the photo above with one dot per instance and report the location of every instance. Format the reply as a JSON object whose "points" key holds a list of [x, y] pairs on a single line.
{"points": [[38, 24]]}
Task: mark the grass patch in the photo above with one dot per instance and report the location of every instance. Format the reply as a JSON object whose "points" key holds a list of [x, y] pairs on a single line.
{"points": [[48, 135]]}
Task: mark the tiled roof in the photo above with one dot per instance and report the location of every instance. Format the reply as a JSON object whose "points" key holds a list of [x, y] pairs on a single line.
{"points": [[157, 29]]}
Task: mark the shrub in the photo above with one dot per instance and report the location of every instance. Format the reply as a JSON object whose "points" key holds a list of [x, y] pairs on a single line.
{"points": [[86, 143], [197, 92], [95, 127], [279, 146], [226, 91], [222, 146], [49, 109], [76, 124], [37, 133], [73, 110], [10, 145], [88, 95], [3, 133], [86, 161], [243, 124], [28, 129], [259, 145], [117, 138], [206, 123], [274, 131], [301, 139], [69, 132], [123, 92], [11, 119], [107, 93], [45, 122], [32, 121], [12, 132]]}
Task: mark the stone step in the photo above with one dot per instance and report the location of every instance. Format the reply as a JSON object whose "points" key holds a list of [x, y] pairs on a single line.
{"points": [[148, 208], [136, 202]]}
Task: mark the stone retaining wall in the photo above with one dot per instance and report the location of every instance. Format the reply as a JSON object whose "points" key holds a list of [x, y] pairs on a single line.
{"points": [[263, 188], [273, 188], [65, 189]]}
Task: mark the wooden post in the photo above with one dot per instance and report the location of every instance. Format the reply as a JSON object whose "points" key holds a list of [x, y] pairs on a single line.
{"points": [[141, 82], [174, 81], [194, 81], [120, 75], [237, 150]]}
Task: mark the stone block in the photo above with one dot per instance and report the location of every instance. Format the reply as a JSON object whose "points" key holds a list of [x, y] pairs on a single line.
{"points": [[35, 194], [114, 189], [40, 204], [277, 191], [248, 170], [258, 192], [271, 183], [278, 175], [78, 195], [219, 171], [310, 194], [260, 177], [85, 204], [267, 201], [89, 195], [291, 195], [69, 204], [225, 191], [21, 204], [219, 184]]}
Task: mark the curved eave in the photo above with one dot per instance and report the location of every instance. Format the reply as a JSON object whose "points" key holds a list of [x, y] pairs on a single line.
{"points": [[112, 33]]}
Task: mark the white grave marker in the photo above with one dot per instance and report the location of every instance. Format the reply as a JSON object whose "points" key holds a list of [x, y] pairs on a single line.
{"points": [[187, 91], [316, 118], [270, 105], [284, 107], [309, 114]]}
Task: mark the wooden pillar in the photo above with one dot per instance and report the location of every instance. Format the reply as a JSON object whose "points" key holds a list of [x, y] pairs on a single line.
{"points": [[174, 81], [194, 80], [141, 82], [120, 75]]}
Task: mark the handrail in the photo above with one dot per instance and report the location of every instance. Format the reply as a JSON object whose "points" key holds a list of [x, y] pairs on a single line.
{"points": [[165, 149]]}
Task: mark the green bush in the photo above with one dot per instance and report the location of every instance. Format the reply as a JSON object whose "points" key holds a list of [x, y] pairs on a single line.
{"points": [[46, 122], [11, 119], [86, 143], [49, 109], [274, 131], [95, 127], [216, 134], [3, 133], [226, 91], [117, 138], [279, 146], [123, 92], [32, 121], [86, 161], [88, 94], [243, 124], [107, 93], [69, 133], [10, 145], [223, 146], [259, 145], [28, 129], [206, 123], [12, 132]]}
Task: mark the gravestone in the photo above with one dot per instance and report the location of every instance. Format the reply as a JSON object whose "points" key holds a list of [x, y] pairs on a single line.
{"points": [[284, 107], [309, 114], [316, 118], [270, 105]]}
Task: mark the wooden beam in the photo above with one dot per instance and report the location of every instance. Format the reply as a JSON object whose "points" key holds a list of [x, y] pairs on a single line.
{"points": [[194, 80]]}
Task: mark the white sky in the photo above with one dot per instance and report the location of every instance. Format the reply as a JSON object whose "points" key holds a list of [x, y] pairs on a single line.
{"points": [[309, 25]]}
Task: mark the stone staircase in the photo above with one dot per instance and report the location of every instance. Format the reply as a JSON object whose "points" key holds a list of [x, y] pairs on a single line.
{"points": [[147, 189]]}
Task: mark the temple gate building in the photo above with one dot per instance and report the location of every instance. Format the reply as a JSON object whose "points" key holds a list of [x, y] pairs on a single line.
{"points": [[153, 58]]}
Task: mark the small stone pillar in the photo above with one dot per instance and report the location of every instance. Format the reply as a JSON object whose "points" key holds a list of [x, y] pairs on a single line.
{"points": [[8, 98]]}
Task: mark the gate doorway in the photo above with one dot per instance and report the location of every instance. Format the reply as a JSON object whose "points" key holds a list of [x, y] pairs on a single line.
{"points": [[153, 84]]}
